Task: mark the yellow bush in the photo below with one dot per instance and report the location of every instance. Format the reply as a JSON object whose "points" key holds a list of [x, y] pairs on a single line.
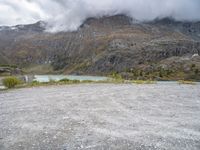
{"points": [[11, 82]]}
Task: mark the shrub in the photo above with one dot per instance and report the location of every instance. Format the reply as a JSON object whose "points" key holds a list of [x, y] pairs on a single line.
{"points": [[5, 65], [193, 66], [64, 80], [116, 76], [11, 82], [51, 81], [88, 81], [35, 83], [196, 71]]}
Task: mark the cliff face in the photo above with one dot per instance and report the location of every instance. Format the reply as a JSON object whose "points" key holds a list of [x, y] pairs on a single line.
{"points": [[104, 45]]}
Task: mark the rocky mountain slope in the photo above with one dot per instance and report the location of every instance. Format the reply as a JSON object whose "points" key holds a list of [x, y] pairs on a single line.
{"points": [[106, 45]]}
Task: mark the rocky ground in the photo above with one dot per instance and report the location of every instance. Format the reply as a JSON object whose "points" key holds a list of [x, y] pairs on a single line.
{"points": [[101, 116]]}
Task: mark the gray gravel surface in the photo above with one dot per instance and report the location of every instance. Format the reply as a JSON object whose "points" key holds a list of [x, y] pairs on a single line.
{"points": [[101, 116]]}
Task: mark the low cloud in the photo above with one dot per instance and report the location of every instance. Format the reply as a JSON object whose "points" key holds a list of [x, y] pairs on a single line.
{"points": [[68, 15]]}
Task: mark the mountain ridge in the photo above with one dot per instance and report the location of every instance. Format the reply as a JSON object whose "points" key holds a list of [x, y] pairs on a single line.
{"points": [[105, 45]]}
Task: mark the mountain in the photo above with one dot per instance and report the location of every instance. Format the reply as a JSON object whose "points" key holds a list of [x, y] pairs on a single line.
{"points": [[163, 48]]}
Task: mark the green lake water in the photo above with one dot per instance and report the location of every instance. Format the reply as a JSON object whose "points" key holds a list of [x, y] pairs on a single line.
{"points": [[47, 78]]}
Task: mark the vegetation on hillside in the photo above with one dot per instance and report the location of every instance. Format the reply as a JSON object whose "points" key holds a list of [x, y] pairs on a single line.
{"points": [[105, 45], [8, 65]]}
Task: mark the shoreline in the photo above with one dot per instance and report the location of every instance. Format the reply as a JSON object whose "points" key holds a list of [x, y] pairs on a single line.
{"points": [[126, 82]]}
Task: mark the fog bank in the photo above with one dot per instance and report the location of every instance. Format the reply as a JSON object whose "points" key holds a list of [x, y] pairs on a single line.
{"points": [[68, 15]]}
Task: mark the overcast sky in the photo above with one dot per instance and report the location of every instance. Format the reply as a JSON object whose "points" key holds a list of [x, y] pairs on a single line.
{"points": [[69, 14]]}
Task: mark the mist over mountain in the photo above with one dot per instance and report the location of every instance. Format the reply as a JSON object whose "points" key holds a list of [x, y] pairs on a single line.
{"points": [[68, 15]]}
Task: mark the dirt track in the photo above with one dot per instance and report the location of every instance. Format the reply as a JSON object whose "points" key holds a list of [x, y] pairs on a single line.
{"points": [[101, 116]]}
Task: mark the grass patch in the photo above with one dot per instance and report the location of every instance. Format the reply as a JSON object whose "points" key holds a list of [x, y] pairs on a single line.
{"points": [[88, 81], [53, 82], [68, 81], [143, 82], [186, 82]]}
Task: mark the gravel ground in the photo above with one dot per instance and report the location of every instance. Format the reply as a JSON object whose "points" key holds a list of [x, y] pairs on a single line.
{"points": [[101, 116]]}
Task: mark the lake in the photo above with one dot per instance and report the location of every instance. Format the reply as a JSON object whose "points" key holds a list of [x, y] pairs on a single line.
{"points": [[47, 78]]}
